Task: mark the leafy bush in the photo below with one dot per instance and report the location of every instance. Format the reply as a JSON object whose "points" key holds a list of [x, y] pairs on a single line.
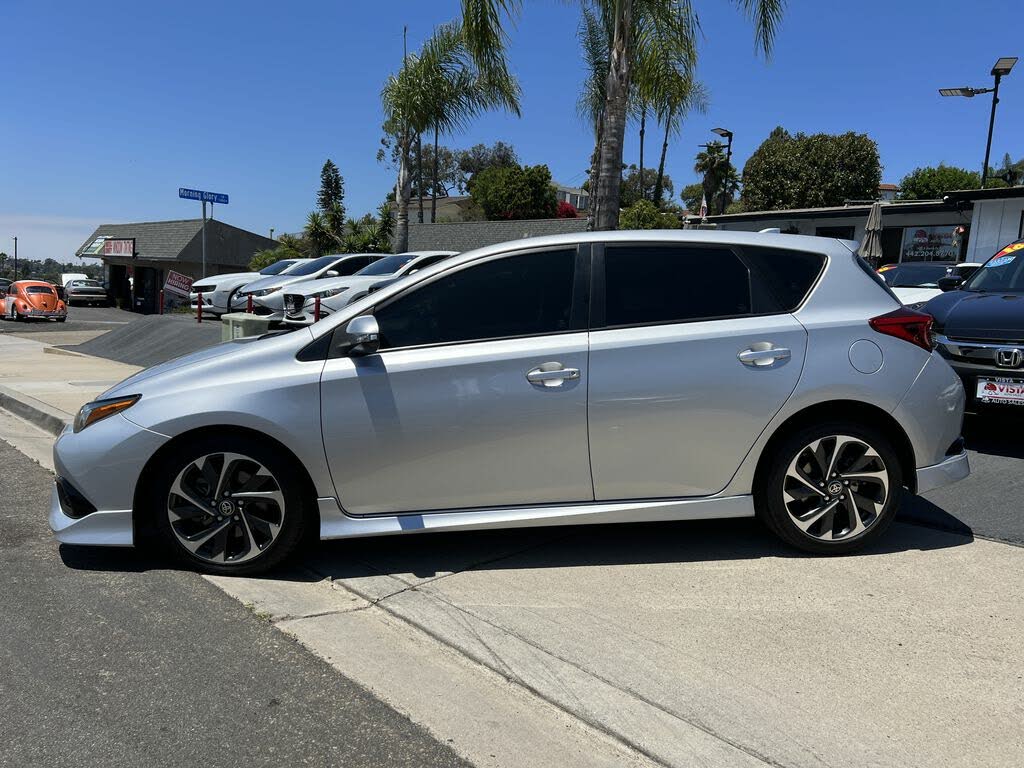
{"points": [[643, 214], [515, 192], [566, 211]]}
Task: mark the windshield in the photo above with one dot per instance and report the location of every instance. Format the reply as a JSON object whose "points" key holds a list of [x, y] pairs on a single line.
{"points": [[277, 267], [915, 275], [386, 266], [314, 266], [1004, 272], [86, 284]]}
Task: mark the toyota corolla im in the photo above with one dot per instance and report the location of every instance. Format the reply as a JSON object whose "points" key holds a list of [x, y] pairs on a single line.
{"points": [[594, 378]]}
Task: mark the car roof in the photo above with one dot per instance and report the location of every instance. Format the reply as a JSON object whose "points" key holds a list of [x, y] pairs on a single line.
{"points": [[34, 282]]}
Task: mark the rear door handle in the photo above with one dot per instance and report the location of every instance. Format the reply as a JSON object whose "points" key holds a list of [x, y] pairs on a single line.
{"points": [[550, 376], [763, 354]]}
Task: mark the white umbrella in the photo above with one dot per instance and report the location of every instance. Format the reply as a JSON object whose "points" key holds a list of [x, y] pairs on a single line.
{"points": [[871, 246]]}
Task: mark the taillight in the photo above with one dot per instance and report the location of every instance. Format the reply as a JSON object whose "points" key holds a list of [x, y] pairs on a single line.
{"points": [[906, 324]]}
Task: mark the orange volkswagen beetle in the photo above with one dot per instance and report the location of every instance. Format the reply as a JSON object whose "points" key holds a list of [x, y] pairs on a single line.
{"points": [[26, 299]]}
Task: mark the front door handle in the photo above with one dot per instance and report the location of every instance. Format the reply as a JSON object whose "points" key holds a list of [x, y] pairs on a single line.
{"points": [[763, 354], [551, 374]]}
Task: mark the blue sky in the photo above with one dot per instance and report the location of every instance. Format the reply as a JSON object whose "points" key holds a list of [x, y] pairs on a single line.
{"points": [[109, 107]]}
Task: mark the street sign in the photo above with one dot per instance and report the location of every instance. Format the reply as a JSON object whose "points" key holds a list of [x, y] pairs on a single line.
{"points": [[205, 197], [178, 283]]}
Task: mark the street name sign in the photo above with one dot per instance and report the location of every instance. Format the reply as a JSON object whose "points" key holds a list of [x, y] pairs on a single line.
{"points": [[206, 197]]}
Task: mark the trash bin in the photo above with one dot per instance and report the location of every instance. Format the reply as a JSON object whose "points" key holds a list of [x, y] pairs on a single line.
{"points": [[238, 325]]}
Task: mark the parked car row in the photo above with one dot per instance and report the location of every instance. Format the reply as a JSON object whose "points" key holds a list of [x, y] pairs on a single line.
{"points": [[589, 378], [284, 291], [917, 282]]}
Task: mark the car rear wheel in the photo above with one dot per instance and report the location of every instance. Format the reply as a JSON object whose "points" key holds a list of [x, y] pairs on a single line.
{"points": [[230, 506], [831, 488]]}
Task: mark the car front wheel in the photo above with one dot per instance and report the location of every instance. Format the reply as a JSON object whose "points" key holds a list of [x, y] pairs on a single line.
{"points": [[230, 506], [831, 488]]}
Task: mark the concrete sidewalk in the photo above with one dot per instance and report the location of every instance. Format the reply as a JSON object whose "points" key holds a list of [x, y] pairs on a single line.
{"points": [[683, 644]]}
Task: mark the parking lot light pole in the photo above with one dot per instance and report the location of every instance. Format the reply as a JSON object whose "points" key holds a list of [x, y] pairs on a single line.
{"points": [[727, 135], [999, 69], [15, 258]]}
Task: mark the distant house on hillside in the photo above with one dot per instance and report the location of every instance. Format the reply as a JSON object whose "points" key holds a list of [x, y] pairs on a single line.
{"points": [[887, 192], [577, 197]]}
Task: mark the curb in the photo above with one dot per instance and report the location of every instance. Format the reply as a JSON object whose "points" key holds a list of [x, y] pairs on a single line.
{"points": [[53, 420], [62, 351]]}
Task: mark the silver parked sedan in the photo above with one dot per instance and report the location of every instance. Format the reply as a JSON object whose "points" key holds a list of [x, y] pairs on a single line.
{"points": [[592, 378]]}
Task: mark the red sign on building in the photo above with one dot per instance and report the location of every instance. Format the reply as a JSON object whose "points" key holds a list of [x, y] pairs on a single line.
{"points": [[120, 246]]}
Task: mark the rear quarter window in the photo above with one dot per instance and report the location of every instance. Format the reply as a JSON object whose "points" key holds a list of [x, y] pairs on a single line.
{"points": [[788, 275]]}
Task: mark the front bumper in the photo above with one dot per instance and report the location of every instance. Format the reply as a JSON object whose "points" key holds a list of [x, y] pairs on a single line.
{"points": [[951, 470], [108, 528]]}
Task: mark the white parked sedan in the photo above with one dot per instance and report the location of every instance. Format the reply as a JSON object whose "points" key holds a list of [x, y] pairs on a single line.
{"points": [[915, 283], [219, 290], [300, 298], [267, 293]]}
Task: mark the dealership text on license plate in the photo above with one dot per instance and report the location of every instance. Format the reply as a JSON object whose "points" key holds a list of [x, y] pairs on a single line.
{"points": [[1009, 391]]}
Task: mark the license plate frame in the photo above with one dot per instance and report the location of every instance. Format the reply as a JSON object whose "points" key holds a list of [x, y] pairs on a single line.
{"points": [[999, 390]]}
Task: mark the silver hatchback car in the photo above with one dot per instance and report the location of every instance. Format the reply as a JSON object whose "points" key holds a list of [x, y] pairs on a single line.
{"points": [[593, 378]]}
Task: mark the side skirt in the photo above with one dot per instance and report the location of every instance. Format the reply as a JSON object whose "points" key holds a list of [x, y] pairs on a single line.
{"points": [[335, 524]]}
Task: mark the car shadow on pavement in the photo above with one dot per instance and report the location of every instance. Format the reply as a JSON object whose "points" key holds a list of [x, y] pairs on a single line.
{"points": [[996, 434], [629, 544], [597, 545]]}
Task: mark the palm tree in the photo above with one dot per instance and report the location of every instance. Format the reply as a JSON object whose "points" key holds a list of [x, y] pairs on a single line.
{"points": [[671, 23], [716, 172], [687, 96], [439, 89]]}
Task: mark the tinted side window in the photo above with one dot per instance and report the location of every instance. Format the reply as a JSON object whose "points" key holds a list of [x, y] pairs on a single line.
{"points": [[350, 266], [790, 275], [671, 284], [523, 295]]}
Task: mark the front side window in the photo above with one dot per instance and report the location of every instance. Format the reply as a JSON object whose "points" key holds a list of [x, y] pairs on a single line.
{"points": [[646, 285], [525, 295]]}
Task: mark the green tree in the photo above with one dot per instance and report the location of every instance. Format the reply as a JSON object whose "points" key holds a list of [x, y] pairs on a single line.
{"points": [[672, 23], [331, 196], [643, 214], [932, 182], [632, 189], [810, 171], [718, 176], [480, 157], [691, 195], [515, 192]]}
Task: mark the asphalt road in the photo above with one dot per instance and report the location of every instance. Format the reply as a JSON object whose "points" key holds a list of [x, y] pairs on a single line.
{"points": [[988, 502], [79, 319], [108, 660]]}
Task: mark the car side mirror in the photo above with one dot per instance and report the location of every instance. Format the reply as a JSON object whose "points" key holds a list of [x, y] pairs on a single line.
{"points": [[331, 273], [362, 336], [950, 283]]}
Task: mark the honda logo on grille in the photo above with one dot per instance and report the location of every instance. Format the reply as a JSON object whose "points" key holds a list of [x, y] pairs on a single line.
{"points": [[1009, 358]]}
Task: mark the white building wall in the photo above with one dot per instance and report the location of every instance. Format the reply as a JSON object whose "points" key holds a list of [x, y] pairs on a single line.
{"points": [[995, 223], [889, 219]]}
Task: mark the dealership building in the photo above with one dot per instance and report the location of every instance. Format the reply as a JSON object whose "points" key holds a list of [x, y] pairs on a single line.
{"points": [[139, 258], [965, 225]]}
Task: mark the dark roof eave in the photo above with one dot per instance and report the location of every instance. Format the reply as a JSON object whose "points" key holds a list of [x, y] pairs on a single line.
{"points": [[1001, 193], [849, 211]]}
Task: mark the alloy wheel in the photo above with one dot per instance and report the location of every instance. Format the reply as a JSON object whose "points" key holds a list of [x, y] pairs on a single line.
{"points": [[225, 508], [836, 488]]}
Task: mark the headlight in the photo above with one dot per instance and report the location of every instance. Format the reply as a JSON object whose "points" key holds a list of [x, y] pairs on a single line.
{"points": [[327, 292], [264, 292], [92, 412], [204, 288]]}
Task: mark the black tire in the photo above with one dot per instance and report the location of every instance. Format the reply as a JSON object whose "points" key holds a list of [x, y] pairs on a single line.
{"points": [[777, 497], [295, 521]]}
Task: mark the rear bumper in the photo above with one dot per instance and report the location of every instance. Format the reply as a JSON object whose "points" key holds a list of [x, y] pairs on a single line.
{"points": [[945, 472]]}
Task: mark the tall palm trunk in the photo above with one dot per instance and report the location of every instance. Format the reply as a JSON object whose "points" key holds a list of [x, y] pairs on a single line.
{"points": [[595, 170], [606, 204], [403, 190], [433, 183], [643, 130], [659, 183], [419, 175]]}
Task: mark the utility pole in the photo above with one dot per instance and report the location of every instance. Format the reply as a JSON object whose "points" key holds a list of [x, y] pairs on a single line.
{"points": [[204, 238], [15, 258]]}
